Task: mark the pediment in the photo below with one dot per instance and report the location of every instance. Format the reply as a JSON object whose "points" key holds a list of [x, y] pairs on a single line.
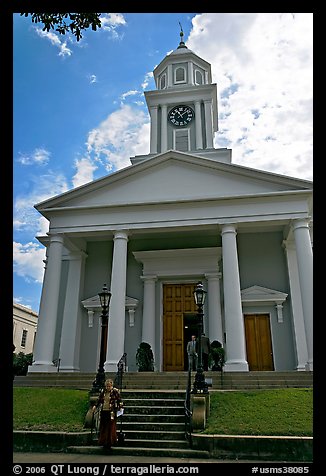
{"points": [[174, 176], [261, 294], [93, 303]]}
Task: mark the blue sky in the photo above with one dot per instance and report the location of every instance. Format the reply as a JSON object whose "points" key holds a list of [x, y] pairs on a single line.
{"points": [[79, 110]]}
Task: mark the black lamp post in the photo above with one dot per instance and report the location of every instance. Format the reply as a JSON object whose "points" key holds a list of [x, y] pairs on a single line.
{"points": [[200, 385], [99, 381]]}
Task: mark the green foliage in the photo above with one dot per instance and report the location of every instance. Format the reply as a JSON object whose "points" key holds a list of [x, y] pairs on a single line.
{"points": [[287, 412], [49, 409], [144, 358], [216, 356], [63, 23], [21, 362]]}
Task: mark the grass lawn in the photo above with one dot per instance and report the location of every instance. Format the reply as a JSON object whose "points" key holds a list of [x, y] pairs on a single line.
{"points": [[287, 412], [284, 412]]}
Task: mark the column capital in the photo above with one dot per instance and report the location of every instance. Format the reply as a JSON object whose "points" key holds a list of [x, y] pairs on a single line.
{"points": [[149, 277], [300, 223], [56, 238], [213, 276], [120, 235], [228, 228]]}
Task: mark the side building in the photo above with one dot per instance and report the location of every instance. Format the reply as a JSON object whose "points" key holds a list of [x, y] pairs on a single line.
{"points": [[24, 328]]}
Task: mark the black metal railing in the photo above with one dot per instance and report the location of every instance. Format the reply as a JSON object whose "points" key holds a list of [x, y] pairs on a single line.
{"points": [[122, 365], [187, 411], [118, 382]]}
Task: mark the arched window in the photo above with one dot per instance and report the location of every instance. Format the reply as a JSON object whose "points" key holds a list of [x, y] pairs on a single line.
{"points": [[199, 77], [163, 81], [180, 75]]}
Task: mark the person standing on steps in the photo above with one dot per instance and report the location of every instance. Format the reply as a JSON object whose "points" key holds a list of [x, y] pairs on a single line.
{"points": [[192, 353], [111, 403], [205, 350]]}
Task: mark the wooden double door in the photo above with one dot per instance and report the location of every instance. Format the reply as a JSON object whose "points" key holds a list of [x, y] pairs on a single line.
{"points": [[179, 323], [258, 342]]}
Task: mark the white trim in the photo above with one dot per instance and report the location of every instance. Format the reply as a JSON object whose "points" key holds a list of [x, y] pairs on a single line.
{"points": [[257, 295], [175, 133], [183, 81], [161, 78], [202, 77]]}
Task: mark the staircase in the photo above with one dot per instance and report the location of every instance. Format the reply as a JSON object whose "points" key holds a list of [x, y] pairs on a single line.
{"points": [[154, 425], [171, 380], [153, 420]]}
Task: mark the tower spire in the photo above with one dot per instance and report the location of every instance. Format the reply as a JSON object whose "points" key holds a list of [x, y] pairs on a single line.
{"points": [[181, 44]]}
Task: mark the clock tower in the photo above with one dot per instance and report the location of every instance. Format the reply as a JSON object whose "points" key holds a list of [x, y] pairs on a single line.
{"points": [[183, 108]]}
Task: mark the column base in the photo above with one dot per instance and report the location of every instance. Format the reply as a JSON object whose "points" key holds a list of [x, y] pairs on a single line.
{"points": [[236, 366], [111, 367], [46, 367], [68, 369], [301, 368], [309, 366]]}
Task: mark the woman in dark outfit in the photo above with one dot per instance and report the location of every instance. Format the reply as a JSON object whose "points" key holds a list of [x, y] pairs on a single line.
{"points": [[111, 403]]}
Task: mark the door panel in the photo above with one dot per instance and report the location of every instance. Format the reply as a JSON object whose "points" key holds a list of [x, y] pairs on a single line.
{"points": [[258, 342], [177, 299]]}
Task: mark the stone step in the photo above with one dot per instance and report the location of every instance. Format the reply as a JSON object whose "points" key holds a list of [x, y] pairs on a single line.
{"points": [[152, 410], [153, 427], [150, 418], [139, 451]]}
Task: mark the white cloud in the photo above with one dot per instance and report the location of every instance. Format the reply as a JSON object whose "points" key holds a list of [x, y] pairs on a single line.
{"points": [[42, 188], [129, 93], [84, 174], [92, 79], [148, 77], [39, 156], [28, 261], [111, 22], [123, 134], [56, 41], [262, 64]]}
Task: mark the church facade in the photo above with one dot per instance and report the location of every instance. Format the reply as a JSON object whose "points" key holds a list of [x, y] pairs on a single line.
{"points": [[179, 215]]}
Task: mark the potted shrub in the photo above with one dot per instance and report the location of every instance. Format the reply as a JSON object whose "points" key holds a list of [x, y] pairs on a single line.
{"points": [[217, 355], [144, 358]]}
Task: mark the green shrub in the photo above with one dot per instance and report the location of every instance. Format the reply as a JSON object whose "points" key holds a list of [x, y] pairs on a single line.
{"points": [[145, 358], [21, 362]]}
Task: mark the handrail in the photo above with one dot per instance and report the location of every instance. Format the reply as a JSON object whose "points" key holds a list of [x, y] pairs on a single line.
{"points": [[187, 411], [122, 365]]}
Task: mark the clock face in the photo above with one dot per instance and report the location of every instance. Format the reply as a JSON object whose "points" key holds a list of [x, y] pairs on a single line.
{"points": [[181, 115]]}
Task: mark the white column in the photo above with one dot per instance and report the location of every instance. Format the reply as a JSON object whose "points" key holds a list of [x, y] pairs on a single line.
{"points": [[305, 268], [164, 129], [215, 330], [198, 122], [170, 74], [117, 310], [153, 144], [296, 304], [191, 73], [208, 123], [148, 326], [71, 325], [234, 323], [47, 319]]}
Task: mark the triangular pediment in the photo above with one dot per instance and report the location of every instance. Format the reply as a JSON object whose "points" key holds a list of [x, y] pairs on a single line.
{"points": [[175, 176], [93, 303], [261, 294]]}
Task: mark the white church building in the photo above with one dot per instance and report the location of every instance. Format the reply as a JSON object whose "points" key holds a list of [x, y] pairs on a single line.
{"points": [[184, 213]]}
